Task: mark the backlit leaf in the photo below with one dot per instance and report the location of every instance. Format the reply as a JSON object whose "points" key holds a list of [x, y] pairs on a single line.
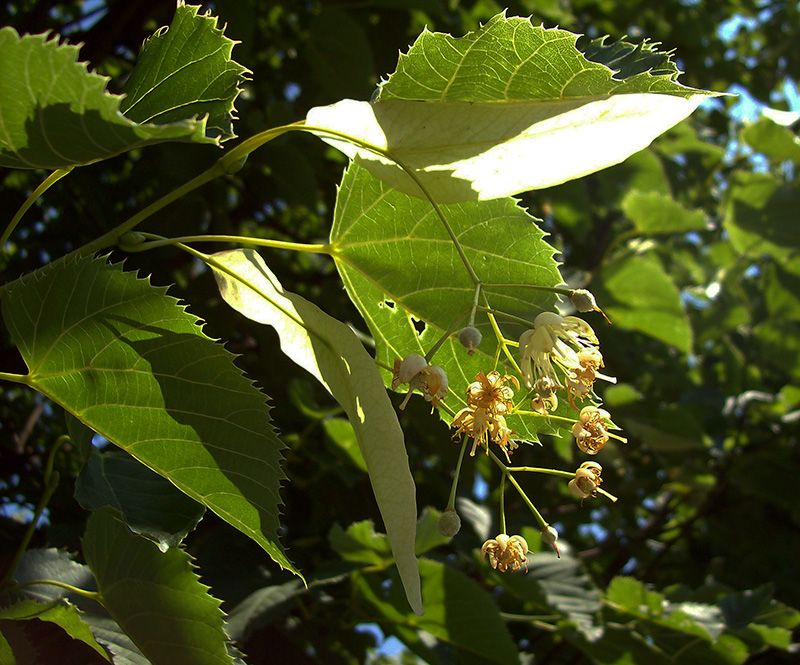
{"points": [[54, 113], [132, 364], [186, 71], [403, 272], [540, 115]]}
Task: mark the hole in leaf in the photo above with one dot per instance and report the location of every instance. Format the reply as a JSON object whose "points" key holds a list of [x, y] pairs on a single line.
{"points": [[418, 325], [388, 303]]}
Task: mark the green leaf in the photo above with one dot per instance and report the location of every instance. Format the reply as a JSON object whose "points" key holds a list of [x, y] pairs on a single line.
{"points": [[458, 611], [540, 115], [154, 596], [331, 352], [745, 607], [399, 267], [637, 294], [58, 612], [760, 215], [259, 608], [80, 435], [439, 67], [771, 139], [631, 595], [186, 71], [360, 544], [149, 504], [56, 114], [344, 437], [428, 536], [559, 584], [654, 213], [6, 653], [672, 429], [132, 364], [57, 565]]}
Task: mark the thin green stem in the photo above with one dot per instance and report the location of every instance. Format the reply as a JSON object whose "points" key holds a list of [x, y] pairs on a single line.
{"points": [[561, 290], [501, 340], [548, 416], [24, 379], [569, 475], [51, 479], [506, 474], [549, 472], [245, 240], [451, 501], [53, 178], [505, 315], [227, 164], [503, 503], [91, 595], [475, 304]]}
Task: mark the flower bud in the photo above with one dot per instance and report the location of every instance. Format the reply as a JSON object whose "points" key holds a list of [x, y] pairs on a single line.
{"points": [[470, 338], [584, 302], [449, 523], [549, 537]]}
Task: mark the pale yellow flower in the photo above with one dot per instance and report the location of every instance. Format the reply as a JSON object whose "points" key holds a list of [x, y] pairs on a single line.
{"points": [[506, 552]]}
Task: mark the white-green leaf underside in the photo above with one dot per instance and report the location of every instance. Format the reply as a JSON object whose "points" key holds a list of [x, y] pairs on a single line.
{"points": [[332, 353]]}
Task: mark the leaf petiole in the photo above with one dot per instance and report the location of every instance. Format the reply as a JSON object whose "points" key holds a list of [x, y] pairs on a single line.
{"points": [[154, 241]]}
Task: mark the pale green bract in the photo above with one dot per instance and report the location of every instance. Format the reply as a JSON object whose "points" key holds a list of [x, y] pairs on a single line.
{"points": [[330, 351], [540, 115]]}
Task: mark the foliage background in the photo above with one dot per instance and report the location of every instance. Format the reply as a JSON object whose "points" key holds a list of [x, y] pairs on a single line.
{"points": [[708, 393]]}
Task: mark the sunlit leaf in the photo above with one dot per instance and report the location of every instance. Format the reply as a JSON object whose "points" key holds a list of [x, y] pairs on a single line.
{"points": [[655, 213], [776, 142], [637, 294], [133, 364], [332, 353], [403, 272], [540, 115], [54, 113], [186, 71]]}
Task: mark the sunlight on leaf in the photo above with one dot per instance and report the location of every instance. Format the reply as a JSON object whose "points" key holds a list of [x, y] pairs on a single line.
{"points": [[131, 363], [543, 113]]}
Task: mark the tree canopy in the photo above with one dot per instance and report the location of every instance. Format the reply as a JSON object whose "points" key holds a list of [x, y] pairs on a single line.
{"points": [[234, 233]]}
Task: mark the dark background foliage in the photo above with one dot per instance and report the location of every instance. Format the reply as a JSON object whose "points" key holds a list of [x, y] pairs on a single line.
{"points": [[707, 481]]}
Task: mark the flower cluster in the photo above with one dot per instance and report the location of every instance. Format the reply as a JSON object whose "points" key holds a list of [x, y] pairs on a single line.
{"points": [[489, 399], [568, 343], [506, 552], [430, 380]]}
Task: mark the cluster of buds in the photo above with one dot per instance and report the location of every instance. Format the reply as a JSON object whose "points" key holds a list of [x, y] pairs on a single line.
{"points": [[591, 431], [586, 481], [430, 380], [489, 399], [566, 342], [506, 552]]}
